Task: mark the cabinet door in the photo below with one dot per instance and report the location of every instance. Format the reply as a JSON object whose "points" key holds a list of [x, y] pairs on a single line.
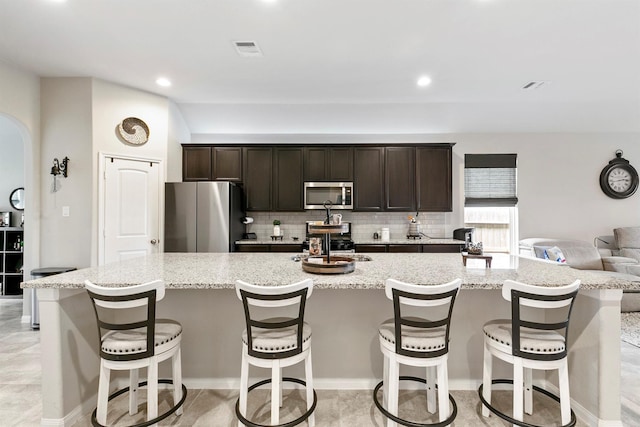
{"points": [[405, 248], [227, 164], [368, 177], [286, 248], [287, 179], [315, 164], [371, 248], [442, 248], [400, 179], [257, 178], [252, 248], [196, 163], [340, 164], [433, 179]]}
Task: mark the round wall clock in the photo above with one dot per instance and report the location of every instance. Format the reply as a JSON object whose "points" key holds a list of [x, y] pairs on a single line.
{"points": [[133, 131], [619, 179]]}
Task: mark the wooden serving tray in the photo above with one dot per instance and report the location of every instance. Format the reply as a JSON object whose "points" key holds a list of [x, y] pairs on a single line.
{"points": [[328, 228], [339, 265]]}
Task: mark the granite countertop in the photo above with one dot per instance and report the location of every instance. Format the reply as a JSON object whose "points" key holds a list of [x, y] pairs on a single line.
{"points": [[220, 271], [423, 241]]}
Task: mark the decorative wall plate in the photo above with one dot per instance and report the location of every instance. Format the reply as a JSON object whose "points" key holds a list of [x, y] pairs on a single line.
{"points": [[133, 131]]}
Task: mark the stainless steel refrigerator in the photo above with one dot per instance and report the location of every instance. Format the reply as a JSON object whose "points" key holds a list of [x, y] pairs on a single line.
{"points": [[202, 216]]}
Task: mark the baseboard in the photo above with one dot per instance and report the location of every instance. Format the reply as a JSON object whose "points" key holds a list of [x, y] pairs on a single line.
{"points": [[67, 421], [582, 413]]}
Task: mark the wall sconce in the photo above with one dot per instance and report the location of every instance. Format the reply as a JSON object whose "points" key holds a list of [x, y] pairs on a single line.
{"points": [[59, 168]]}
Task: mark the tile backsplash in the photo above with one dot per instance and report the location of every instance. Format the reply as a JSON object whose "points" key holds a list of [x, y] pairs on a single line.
{"points": [[363, 224]]}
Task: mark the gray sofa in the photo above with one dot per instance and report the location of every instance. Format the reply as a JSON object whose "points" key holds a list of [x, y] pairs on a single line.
{"points": [[621, 262]]}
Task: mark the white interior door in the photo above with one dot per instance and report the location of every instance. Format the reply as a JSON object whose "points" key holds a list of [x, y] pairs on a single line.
{"points": [[131, 209]]}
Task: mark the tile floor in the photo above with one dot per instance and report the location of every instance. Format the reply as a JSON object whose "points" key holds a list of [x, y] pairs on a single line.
{"points": [[20, 390]]}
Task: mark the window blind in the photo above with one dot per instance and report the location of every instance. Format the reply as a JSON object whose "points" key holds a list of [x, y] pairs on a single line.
{"points": [[490, 180]]}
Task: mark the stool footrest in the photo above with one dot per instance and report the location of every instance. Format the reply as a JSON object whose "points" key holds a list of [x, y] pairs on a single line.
{"points": [[398, 420], [295, 422], [511, 420], [161, 417]]}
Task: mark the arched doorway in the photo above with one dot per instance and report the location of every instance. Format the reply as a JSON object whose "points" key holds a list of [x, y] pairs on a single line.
{"points": [[16, 171]]}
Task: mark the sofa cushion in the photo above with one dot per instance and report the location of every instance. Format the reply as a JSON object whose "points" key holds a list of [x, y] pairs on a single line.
{"points": [[627, 237], [583, 257], [630, 253]]}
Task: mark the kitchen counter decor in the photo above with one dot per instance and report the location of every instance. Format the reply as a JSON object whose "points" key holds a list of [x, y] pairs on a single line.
{"points": [[325, 264]]}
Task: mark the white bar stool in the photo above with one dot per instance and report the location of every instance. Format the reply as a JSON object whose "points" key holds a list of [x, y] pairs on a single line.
{"points": [[418, 341], [133, 345], [530, 344], [275, 343]]}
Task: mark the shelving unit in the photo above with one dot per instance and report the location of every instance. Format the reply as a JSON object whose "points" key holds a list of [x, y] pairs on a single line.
{"points": [[11, 261]]}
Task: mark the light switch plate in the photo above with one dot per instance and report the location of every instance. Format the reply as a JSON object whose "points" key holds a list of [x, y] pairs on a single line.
{"points": [[65, 211]]}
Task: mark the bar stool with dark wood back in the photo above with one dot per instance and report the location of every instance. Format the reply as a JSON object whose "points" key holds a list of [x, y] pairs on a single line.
{"points": [[529, 343], [275, 342], [421, 340], [131, 345]]}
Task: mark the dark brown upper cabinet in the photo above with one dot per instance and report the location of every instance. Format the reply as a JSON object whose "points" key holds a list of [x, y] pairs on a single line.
{"points": [[196, 163], [316, 164], [287, 179], [258, 177], [368, 174], [433, 178], [400, 179], [227, 164], [328, 164]]}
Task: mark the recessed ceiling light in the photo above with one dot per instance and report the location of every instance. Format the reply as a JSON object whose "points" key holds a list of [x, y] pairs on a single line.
{"points": [[424, 81], [163, 82]]}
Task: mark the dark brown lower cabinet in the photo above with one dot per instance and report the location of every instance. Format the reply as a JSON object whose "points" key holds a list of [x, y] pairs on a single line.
{"points": [[252, 248], [405, 248], [415, 248], [270, 248], [371, 248], [286, 248], [442, 248]]}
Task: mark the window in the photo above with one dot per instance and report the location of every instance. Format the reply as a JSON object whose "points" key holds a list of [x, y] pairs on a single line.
{"points": [[490, 189]]}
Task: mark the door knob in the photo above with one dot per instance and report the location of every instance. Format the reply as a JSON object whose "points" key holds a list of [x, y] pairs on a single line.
{"points": [[154, 241]]}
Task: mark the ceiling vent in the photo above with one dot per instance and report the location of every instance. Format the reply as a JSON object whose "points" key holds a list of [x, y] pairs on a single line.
{"points": [[247, 48], [535, 84]]}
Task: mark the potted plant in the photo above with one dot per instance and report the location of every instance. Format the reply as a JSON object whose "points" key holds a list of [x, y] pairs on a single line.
{"points": [[276, 227]]}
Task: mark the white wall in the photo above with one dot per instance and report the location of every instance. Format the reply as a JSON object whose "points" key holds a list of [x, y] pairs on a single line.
{"points": [[11, 164], [20, 103], [178, 134], [66, 132], [112, 103], [558, 181]]}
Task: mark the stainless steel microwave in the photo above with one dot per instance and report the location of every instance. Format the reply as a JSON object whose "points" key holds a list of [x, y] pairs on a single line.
{"points": [[340, 194]]}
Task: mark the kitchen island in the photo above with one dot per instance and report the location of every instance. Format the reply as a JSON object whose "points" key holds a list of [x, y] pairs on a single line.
{"points": [[345, 312]]}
